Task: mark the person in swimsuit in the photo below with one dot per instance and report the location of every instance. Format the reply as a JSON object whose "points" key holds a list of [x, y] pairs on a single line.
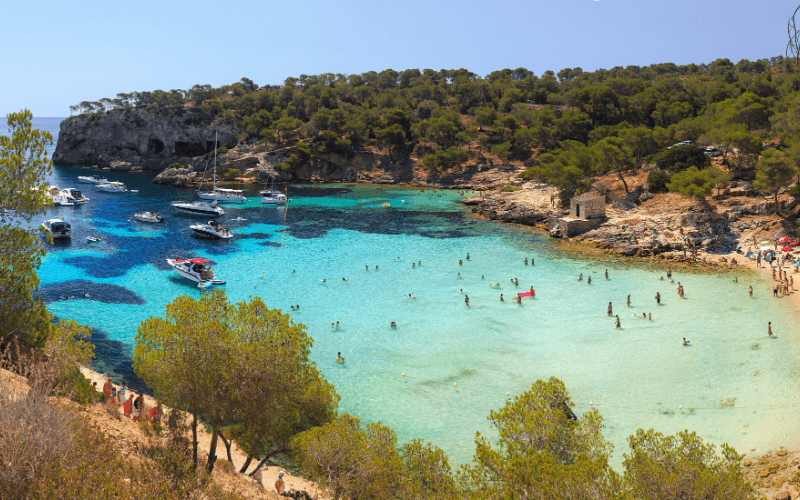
{"points": [[619, 325], [610, 313]]}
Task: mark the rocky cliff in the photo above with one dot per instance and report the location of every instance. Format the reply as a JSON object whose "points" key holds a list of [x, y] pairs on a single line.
{"points": [[136, 140]]}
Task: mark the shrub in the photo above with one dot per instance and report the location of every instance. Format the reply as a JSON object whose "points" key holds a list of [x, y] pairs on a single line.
{"points": [[795, 191], [445, 159], [222, 150], [508, 188], [681, 158], [233, 173], [657, 181]]}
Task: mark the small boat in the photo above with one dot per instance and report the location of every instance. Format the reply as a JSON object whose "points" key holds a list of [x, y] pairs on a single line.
{"points": [[272, 196], [218, 194], [58, 229], [93, 239], [112, 187], [74, 195], [199, 208], [58, 199], [212, 229], [148, 217], [91, 179], [195, 270]]}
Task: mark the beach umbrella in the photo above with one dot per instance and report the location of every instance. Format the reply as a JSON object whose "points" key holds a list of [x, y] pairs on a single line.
{"points": [[783, 240], [794, 243]]}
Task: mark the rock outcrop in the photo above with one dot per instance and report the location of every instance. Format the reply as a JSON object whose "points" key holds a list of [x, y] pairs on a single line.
{"points": [[141, 139]]}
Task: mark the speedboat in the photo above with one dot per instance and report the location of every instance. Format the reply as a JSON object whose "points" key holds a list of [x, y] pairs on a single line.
{"points": [[58, 199], [73, 195], [212, 229], [195, 270], [148, 217], [199, 208], [112, 187], [58, 229], [91, 179]]}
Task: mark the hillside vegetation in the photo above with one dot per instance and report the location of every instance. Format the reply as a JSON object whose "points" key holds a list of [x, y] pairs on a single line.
{"points": [[565, 126]]}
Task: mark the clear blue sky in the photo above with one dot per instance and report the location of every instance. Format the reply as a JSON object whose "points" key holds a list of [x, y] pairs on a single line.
{"points": [[59, 53]]}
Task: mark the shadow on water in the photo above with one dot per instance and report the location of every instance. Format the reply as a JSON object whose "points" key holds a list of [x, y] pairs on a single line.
{"points": [[88, 290]]}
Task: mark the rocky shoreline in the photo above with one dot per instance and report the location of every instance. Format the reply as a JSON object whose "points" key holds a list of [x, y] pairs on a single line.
{"points": [[662, 225]]}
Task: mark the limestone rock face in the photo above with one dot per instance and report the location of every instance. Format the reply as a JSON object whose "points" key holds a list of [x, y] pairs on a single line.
{"points": [[179, 177], [141, 139]]}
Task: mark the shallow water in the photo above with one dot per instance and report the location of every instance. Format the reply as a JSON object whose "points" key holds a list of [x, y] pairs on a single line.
{"points": [[734, 383]]}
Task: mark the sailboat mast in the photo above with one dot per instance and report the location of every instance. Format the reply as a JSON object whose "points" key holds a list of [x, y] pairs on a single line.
{"points": [[215, 160]]}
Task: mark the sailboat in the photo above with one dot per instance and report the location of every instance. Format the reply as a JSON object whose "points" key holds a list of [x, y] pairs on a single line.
{"points": [[271, 196], [219, 194]]}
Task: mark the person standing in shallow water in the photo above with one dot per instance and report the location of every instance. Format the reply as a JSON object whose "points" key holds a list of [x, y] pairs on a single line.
{"points": [[619, 325], [658, 298], [610, 310], [466, 300], [629, 300], [769, 329], [606, 273]]}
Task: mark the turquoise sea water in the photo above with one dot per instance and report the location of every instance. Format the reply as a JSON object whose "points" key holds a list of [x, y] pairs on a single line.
{"points": [[734, 383]]}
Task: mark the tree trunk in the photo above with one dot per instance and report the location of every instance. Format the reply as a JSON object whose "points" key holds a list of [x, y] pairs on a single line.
{"points": [[776, 203], [227, 447], [212, 450], [269, 455], [246, 464], [619, 173], [194, 439]]}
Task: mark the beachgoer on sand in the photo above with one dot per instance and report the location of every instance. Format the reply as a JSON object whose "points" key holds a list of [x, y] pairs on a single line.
{"points": [[280, 485]]}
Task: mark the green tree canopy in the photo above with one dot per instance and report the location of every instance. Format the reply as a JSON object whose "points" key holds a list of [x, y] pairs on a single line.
{"points": [[776, 170], [234, 363], [696, 183], [23, 166]]}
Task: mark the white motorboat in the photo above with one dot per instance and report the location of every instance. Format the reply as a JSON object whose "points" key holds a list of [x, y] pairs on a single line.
{"points": [[272, 196], [73, 195], [58, 199], [212, 229], [199, 208], [218, 194], [58, 229], [112, 187], [93, 239], [148, 217], [195, 270], [274, 199], [91, 179]]}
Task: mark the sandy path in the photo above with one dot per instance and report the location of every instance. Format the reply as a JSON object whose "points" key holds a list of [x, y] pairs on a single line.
{"points": [[293, 483]]}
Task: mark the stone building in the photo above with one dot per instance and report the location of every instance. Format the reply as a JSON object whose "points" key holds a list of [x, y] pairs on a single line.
{"points": [[586, 212], [587, 206]]}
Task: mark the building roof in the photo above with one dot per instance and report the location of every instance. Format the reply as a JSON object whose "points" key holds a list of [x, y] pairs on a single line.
{"points": [[590, 197]]}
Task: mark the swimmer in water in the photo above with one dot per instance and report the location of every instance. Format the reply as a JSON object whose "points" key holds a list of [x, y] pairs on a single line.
{"points": [[629, 300], [413, 265], [393, 324], [337, 325], [367, 267], [501, 298], [685, 342], [466, 300], [293, 271], [580, 277], [650, 316], [658, 298], [376, 268], [324, 280], [410, 296], [339, 357], [482, 276], [769, 329], [643, 316], [459, 275], [345, 279], [467, 255], [532, 292], [526, 261], [661, 278], [516, 282], [735, 279], [610, 309], [292, 307], [460, 262], [589, 281], [619, 325]]}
